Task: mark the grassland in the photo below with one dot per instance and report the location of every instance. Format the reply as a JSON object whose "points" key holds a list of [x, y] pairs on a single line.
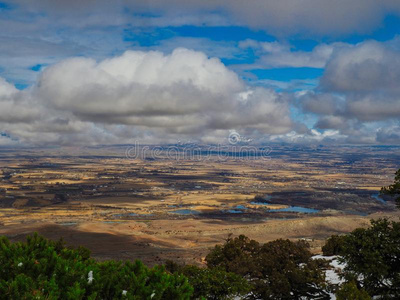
{"points": [[157, 209]]}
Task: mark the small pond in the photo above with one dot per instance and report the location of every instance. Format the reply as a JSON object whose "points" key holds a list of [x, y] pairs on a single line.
{"points": [[185, 212], [377, 197], [298, 209]]}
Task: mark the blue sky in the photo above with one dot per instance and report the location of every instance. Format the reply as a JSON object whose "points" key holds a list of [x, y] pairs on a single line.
{"points": [[221, 41], [300, 52]]}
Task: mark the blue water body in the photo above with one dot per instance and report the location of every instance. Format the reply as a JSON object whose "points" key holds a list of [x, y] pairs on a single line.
{"points": [[298, 209], [234, 211], [290, 209], [238, 209], [378, 198], [125, 215], [185, 212], [241, 207]]}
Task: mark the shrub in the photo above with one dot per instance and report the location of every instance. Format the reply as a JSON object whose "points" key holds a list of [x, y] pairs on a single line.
{"points": [[350, 291], [393, 189], [43, 269], [276, 270], [333, 245], [215, 283], [372, 258], [211, 283]]}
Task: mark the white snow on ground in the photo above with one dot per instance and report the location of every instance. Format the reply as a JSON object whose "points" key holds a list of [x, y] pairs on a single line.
{"points": [[332, 275]]}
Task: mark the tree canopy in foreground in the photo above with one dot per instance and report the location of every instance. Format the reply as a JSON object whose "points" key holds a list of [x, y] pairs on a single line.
{"points": [[240, 268], [372, 258], [394, 189], [280, 269], [43, 269]]}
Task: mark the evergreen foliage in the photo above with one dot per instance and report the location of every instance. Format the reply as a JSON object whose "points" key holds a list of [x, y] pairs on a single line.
{"points": [[333, 245], [394, 189], [276, 270], [350, 291], [43, 269], [241, 267], [212, 283], [372, 258]]}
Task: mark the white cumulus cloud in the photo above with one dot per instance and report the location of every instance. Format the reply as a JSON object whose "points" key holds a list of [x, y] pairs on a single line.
{"points": [[139, 95]]}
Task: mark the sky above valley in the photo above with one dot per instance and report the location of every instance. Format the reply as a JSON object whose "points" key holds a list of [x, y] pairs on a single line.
{"points": [[84, 73]]}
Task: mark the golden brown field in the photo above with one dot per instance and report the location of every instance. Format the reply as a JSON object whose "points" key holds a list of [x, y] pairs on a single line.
{"points": [[156, 209]]}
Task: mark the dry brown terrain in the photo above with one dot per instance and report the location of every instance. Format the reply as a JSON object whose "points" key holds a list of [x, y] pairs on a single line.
{"points": [[158, 209]]}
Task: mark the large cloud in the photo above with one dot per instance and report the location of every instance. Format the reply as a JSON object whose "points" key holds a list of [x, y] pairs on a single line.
{"points": [[368, 67], [136, 95], [362, 82], [389, 135], [182, 91], [360, 86], [281, 17], [16, 106]]}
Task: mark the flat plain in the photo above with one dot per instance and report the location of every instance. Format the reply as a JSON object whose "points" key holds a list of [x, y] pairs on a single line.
{"points": [[177, 208]]}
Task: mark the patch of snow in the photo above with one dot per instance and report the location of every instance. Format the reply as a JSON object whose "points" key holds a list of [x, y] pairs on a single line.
{"points": [[332, 275], [90, 277]]}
